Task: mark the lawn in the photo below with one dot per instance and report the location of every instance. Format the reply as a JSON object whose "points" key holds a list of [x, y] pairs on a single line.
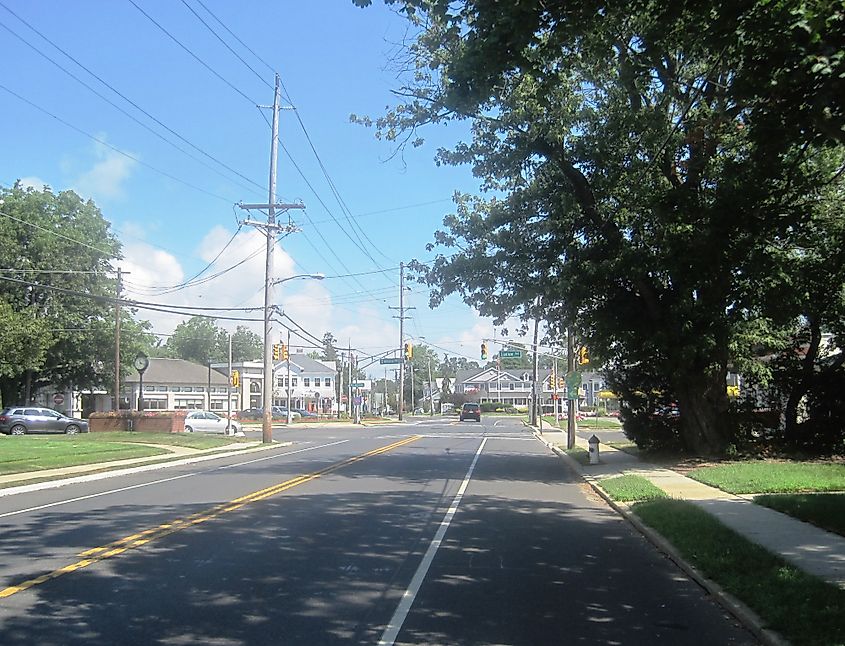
{"points": [[805, 610], [825, 510], [37, 453], [773, 477], [629, 488]]}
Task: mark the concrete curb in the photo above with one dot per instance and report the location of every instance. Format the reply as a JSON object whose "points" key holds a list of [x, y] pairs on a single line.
{"points": [[129, 470], [745, 615]]}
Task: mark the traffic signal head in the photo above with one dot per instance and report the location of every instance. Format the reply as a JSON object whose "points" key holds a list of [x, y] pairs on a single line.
{"points": [[236, 378], [409, 351], [561, 383], [285, 353], [583, 355], [484, 351], [276, 352], [551, 382]]}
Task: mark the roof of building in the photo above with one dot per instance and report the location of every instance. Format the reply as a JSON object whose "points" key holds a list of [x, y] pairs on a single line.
{"points": [[177, 371], [307, 364]]}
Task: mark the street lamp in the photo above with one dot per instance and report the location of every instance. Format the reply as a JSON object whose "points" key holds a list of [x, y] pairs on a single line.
{"points": [[267, 417], [141, 363]]}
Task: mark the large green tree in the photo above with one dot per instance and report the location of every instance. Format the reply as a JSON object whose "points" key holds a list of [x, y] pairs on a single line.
{"points": [[56, 294], [646, 159]]}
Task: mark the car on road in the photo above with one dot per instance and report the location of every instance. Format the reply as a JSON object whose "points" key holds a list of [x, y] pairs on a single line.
{"points": [[471, 411], [204, 421], [20, 420]]}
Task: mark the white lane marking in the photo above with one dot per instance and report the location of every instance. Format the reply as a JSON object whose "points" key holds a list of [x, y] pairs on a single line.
{"points": [[58, 503], [390, 634], [270, 457]]}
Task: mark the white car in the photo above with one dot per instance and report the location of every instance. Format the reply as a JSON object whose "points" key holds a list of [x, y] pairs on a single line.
{"points": [[207, 422]]}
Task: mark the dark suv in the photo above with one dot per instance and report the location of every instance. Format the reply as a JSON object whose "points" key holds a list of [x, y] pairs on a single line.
{"points": [[471, 411], [19, 420]]}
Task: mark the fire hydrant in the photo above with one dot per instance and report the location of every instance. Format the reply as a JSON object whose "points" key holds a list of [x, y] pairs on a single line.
{"points": [[594, 449]]}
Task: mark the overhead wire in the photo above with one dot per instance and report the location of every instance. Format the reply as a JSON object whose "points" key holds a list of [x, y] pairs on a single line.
{"points": [[114, 148], [192, 54], [128, 100]]}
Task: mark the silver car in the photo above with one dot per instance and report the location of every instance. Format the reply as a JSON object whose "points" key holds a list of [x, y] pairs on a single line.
{"points": [[20, 420], [207, 422]]}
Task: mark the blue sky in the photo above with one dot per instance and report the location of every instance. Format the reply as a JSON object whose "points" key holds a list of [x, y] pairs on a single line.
{"points": [[175, 212]]}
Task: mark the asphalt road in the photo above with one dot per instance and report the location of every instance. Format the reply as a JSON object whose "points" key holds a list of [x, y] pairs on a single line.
{"points": [[433, 532]]}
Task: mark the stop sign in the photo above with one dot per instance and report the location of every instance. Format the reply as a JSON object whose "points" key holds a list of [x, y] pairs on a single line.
{"points": [[58, 399]]}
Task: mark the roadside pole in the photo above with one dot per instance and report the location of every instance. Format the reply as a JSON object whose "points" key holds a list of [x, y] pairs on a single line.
{"points": [[570, 404]]}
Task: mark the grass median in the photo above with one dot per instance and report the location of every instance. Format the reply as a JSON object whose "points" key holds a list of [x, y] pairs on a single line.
{"points": [[38, 453], [802, 608]]}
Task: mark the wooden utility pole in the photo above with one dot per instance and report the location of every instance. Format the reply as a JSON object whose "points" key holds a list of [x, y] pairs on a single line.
{"points": [[570, 403], [117, 341], [271, 228]]}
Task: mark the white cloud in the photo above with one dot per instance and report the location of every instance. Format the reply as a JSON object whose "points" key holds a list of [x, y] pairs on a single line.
{"points": [[105, 179], [33, 182]]}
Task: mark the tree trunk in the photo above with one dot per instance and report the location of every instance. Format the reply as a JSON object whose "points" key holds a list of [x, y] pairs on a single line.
{"points": [[804, 383], [703, 402]]}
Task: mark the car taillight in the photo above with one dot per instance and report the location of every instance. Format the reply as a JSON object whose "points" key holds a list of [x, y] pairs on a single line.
{"points": [[4, 418]]}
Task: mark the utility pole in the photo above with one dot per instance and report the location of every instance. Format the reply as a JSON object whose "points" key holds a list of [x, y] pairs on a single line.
{"points": [[340, 386], [401, 317], [430, 391], [287, 379], [270, 228], [537, 391], [116, 341], [570, 403], [229, 391]]}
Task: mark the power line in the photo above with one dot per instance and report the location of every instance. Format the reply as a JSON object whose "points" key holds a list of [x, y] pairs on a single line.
{"points": [[225, 44], [114, 148], [105, 252], [195, 57], [127, 99]]}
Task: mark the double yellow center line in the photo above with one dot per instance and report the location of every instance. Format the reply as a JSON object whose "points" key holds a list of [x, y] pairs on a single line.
{"points": [[139, 539]]}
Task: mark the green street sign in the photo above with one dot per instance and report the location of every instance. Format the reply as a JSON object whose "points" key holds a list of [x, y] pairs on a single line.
{"points": [[390, 360], [573, 381], [510, 354], [358, 384]]}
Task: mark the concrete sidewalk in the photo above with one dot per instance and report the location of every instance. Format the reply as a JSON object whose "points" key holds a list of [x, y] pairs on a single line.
{"points": [[806, 546]]}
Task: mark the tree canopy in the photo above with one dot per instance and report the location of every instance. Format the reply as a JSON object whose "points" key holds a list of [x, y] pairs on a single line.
{"points": [[57, 294], [655, 170]]}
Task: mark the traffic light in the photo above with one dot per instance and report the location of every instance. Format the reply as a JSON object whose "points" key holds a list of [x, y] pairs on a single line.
{"points": [[277, 352], [583, 355], [236, 378], [551, 382], [484, 351], [409, 351], [561, 383], [285, 354]]}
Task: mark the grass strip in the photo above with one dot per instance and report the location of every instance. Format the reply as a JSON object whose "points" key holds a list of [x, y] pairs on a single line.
{"points": [[805, 610], [631, 488], [773, 477], [23, 454], [197, 441], [578, 454], [825, 510]]}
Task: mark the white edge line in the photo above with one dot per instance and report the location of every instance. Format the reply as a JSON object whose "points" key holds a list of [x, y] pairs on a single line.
{"points": [[93, 477], [390, 634]]}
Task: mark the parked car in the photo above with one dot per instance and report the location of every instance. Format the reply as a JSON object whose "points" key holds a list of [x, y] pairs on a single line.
{"points": [[207, 422], [470, 411], [20, 420], [280, 412], [250, 413], [304, 413]]}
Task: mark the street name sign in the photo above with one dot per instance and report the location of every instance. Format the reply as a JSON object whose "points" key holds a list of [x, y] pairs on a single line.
{"points": [[358, 384], [510, 354], [390, 360]]}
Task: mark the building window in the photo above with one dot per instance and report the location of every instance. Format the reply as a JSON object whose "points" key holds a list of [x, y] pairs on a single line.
{"points": [[177, 389], [217, 405], [306, 381], [161, 389], [293, 381], [155, 404], [189, 403], [512, 385], [149, 389], [328, 382]]}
